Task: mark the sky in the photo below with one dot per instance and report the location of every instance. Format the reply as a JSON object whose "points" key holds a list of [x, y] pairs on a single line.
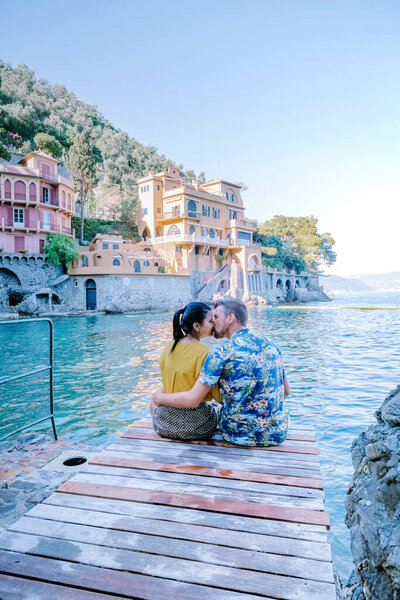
{"points": [[298, 99]]}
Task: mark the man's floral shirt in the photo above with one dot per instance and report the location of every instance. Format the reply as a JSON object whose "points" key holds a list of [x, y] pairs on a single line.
{"points": [[250, 374]]}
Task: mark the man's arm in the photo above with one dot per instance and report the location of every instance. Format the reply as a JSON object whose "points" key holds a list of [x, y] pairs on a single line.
{"points": [[286, 387], [190, 399]]}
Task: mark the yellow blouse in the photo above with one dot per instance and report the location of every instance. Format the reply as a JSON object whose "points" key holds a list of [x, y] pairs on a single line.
{"points": [[180, 370]]}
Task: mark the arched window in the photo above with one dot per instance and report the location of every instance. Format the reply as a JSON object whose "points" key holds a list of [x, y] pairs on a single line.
{"points": [[116, 262], [20, 190], [63, 204], [230, 196], [84, 261], [146, 263], [7, 189], [211, 233], [32, 192], [192, 209], [136, 266], [203, 231], [145, 233], [173, 230], [192, 230]]}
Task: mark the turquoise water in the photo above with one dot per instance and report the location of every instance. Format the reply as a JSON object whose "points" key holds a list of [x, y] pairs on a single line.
{"points": [[341, 365]]}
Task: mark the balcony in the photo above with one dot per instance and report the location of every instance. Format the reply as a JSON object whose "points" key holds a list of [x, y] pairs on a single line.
{"points": [[34, 225], [189, 239], [232, 223], [171, 217]]}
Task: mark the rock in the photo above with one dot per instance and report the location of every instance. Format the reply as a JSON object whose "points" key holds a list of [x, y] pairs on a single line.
{"points": [[373, 507]]}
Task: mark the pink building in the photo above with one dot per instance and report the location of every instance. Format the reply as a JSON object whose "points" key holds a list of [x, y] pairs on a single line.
{"points": [[34, 201]]}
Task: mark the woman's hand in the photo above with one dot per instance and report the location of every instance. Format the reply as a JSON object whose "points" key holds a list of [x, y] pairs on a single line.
{"points": [[157, 396]]}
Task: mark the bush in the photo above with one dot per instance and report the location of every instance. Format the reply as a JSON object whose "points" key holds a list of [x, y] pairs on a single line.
{"points": [[93, 226], [61, 250], [22, 251]]}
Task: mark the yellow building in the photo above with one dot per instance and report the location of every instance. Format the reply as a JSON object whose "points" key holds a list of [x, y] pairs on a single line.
{"points": [[196, 227]]}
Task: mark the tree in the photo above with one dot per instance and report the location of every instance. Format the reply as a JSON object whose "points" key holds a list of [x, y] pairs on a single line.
{"points": [[301, 236], [61, 250], [4, 141], [82, 162], [48, 144]]}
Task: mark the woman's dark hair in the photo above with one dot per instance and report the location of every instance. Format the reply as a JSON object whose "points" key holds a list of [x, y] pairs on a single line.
{"points": [[183, 320]]}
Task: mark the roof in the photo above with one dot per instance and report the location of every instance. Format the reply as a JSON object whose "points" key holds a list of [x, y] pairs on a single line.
{"points": [[236, 185], [17, 170], [40, 153]]}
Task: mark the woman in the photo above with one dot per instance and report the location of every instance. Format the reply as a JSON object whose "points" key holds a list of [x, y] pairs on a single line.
{"points": [[180, 364]]}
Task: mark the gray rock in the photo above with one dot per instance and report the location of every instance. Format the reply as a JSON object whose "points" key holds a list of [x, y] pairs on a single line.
{"points": [[373, 507]]}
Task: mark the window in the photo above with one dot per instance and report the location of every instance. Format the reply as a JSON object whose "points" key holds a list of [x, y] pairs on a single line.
{"points": [[19, 190], [104, 246], [7, 189], [19, 243], [178, 250], [203, 231], [215, 213], [116, 262], [46, 195], [136, 266], [208, 211], [32, 192], [148, 187], [208, 252], [146, 263], [145, 211], [18, 217], [192, 230], [173, 230], [46, 220], [212, 233], [84, 261], [115, 246], [196, 250], [192, 209], [158, 188], [233, 214], [204, 210]]}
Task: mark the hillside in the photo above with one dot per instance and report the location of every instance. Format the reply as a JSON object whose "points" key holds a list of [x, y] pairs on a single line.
{"points": [[335, 285], [29, 106], [382, 281]]}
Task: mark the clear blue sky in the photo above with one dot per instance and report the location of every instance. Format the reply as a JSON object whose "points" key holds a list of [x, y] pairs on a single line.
{"points": [[300, 99]]}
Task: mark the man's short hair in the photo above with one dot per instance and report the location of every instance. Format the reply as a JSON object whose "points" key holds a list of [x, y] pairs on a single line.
{"points": [[236, 307]]}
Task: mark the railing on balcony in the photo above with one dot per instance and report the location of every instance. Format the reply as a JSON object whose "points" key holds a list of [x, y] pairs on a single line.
{"points": [[196, 239], [178, 215], [35, 224]]}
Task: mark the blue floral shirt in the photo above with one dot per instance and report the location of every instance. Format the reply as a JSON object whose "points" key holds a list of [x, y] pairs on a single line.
{"points": [[250, 374]]}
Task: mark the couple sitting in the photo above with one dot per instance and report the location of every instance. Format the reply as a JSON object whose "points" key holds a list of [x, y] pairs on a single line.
{"points": [[245, 374]]}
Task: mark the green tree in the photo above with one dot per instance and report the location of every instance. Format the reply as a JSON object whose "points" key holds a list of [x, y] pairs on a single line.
{"points": [[4, 141], [301, 236], [48, 144], [61, 250], [82, 162]]}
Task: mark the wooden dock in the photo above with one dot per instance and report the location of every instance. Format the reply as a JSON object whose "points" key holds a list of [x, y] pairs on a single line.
{"points": [[153, 519]]}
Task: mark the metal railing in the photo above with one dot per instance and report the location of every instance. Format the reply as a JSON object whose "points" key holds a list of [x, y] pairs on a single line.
{"points": [[40, 369]]}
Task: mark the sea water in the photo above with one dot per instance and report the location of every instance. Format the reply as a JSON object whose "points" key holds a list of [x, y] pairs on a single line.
{"points": [[341, 360]]}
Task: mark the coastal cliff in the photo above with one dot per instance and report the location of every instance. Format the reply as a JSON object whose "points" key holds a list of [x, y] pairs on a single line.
{"points": [[373, 507]]}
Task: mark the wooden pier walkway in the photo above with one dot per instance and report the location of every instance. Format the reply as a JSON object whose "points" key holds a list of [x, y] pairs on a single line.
{"points": [[152, 518]]}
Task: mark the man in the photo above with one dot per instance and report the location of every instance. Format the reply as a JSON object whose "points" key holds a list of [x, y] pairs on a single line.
{"points": [[251, 379]]}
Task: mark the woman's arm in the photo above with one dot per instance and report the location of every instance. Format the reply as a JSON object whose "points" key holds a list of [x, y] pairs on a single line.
{"points": [[286, 387], [190, 399]]}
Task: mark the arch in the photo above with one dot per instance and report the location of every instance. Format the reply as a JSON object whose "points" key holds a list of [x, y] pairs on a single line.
{"points": [[211, 233], [252, 261], [173, 230], [146, 249], [32, 192], [297, 283], [192, 230], [116, 262], [7, 189], [91, 294], [145, 233], [146, 263], [230, 195], [279, 284], [8, 278], [63, 201], [20, 190], [288, 284], [84, 260], [136, 266], [192, 209]]}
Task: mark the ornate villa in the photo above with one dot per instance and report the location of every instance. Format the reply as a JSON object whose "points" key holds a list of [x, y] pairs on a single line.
{"points": [[35, 200]]}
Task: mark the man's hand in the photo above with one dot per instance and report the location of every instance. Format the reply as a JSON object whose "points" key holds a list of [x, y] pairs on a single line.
{"points": [[157, 395]]}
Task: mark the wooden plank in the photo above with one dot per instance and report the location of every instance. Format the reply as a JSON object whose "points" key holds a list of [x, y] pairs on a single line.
{"points": [[158, 513], [214, 482], [292, 435], [148, 435], [223, 451], [121, 584], [287, 480], [296, 515], [195, 533], [278, 468], [228, 578], [16, 588], [206, 491], [206, 553], [294, 424]]}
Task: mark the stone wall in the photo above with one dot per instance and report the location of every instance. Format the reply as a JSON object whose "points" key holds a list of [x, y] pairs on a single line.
{"points": [[373, 507]]}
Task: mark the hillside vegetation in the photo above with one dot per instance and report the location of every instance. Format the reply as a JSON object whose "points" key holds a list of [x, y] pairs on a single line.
{"points": [[35, 114]]}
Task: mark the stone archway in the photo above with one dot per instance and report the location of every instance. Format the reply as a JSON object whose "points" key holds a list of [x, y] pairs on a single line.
{"points": [[9, 284]]}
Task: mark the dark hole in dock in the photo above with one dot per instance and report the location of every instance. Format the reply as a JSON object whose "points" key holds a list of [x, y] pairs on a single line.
{"points": [[74, 461]]}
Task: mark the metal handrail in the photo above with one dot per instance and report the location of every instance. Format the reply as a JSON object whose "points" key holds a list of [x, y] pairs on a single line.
{"points": [[48, 367]]}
